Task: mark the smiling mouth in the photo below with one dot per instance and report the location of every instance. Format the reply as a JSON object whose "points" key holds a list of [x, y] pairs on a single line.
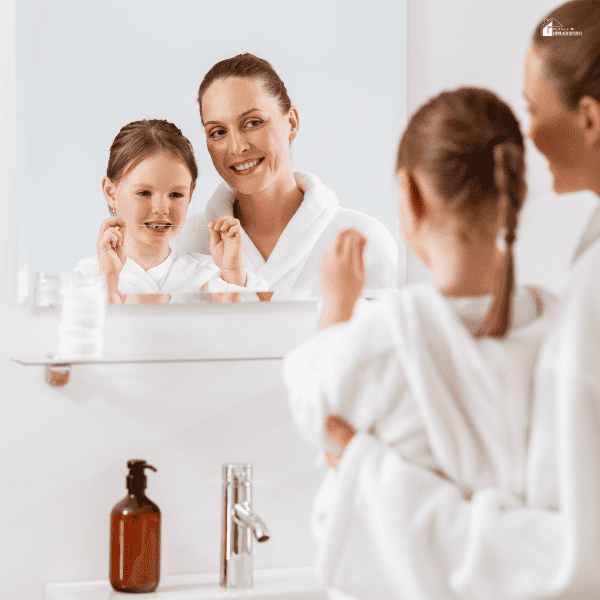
{"points": [[243, 167], [158, 226]]}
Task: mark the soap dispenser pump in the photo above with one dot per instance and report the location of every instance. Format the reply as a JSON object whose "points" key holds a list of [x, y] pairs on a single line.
{"points": [[135, 536]]}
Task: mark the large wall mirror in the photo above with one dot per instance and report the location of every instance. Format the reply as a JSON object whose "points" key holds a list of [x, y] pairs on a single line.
{"points": [[86, 69]]}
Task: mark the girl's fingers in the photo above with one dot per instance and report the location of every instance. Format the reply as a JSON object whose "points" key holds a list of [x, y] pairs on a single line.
{"points": [[112, 222], [112, 239]]}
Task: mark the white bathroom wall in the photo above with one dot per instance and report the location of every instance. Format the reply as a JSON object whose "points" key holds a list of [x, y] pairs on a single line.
{"points": [[483, 43]]}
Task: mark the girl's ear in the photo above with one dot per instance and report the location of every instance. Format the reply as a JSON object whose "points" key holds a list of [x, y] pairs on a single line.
{"points": [[294, 119], [109, 189], [410, 191], [589, 120]]}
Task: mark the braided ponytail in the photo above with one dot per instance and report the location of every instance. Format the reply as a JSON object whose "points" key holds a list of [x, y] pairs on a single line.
{"points": [[510, 183]]}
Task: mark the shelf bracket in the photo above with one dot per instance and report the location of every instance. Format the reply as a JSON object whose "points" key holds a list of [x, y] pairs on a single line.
{"points": [[58, 375]]}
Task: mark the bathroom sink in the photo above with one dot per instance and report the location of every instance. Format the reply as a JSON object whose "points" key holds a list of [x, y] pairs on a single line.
{"points": [[269, 584]]}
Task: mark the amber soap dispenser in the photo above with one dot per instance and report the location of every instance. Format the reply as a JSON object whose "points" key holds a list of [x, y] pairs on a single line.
{"points": [[135, 536]]}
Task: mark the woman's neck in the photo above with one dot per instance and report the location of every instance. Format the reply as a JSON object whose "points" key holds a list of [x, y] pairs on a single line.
{"points": [[265, 215], [147, 256]]}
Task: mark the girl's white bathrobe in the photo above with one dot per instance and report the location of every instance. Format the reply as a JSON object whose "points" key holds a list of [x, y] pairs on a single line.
{"points": [[293, 264], [177, 273], [424, 394]]}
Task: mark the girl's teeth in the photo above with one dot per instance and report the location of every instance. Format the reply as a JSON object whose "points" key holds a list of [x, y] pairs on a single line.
{"points": [[158, 225]]}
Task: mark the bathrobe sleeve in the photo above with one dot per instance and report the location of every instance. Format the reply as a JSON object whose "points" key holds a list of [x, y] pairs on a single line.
{"points": [[347, 369], [397, 530], [253, 284]]}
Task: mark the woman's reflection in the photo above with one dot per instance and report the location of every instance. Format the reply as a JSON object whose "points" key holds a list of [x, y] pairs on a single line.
{"points": [[148, 186], [289, 219]]}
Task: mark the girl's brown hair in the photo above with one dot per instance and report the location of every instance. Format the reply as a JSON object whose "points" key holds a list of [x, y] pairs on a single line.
{"points": [[469, 144], [138, 140], [252, 67], [574, 60]]}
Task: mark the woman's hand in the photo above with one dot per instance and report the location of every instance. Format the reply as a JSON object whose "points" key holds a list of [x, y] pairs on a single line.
{"points": [[226, 248], [342, 272], [338, 431], [112, 254]]}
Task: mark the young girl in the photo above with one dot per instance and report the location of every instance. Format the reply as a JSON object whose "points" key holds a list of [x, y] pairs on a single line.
{"points": [[148, 186], [442, 372]]}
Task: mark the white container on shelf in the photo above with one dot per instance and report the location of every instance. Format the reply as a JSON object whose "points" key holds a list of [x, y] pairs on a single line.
{"points": [[83, 311]]}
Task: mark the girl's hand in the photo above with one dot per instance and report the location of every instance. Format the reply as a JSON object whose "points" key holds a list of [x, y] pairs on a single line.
{"points": [[111, 245], [112, 254], [341, 432], [226, 248], [343, 274]]}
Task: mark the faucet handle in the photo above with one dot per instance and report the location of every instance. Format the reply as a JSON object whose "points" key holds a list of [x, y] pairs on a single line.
{"points": [[237, 472]]}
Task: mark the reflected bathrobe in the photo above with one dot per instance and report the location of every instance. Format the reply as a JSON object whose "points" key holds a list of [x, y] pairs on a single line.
{"points": [[443, 421], [177, 273], [293, 264]]}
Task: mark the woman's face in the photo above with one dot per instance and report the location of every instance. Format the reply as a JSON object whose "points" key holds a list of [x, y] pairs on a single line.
{"points": [[553, 128], [153, 198], [247, 136]]}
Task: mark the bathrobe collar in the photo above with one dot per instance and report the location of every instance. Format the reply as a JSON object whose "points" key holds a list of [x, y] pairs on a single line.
{"points": [[590, 234], [298, 238]]}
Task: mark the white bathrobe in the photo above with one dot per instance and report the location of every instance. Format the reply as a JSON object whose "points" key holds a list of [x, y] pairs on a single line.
{"points": [[294, 262], [409, 372], [177, 273]]}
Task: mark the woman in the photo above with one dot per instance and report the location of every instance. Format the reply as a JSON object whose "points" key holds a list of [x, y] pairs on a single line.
{"points": [[288, 219], [426, 539]]}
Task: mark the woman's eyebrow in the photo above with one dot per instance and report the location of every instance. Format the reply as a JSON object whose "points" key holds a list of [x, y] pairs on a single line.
{"points": [[240, 117]]}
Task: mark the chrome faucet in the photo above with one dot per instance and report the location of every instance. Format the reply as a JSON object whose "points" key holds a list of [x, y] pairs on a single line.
{"points": [[239, 523]]}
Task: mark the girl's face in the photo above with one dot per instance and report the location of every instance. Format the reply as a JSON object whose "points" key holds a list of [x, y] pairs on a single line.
{"points": [[153, 198], [553, 128], [247, 136]]}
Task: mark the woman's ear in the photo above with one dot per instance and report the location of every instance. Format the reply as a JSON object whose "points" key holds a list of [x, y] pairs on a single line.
{"points": [[294, 119], [589, 121], [109, 189]]}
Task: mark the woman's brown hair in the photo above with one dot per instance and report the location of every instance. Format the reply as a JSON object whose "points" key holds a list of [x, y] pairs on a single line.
{"points": [[573, 60], [138, 140], [252, 67], [469, 144]]}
